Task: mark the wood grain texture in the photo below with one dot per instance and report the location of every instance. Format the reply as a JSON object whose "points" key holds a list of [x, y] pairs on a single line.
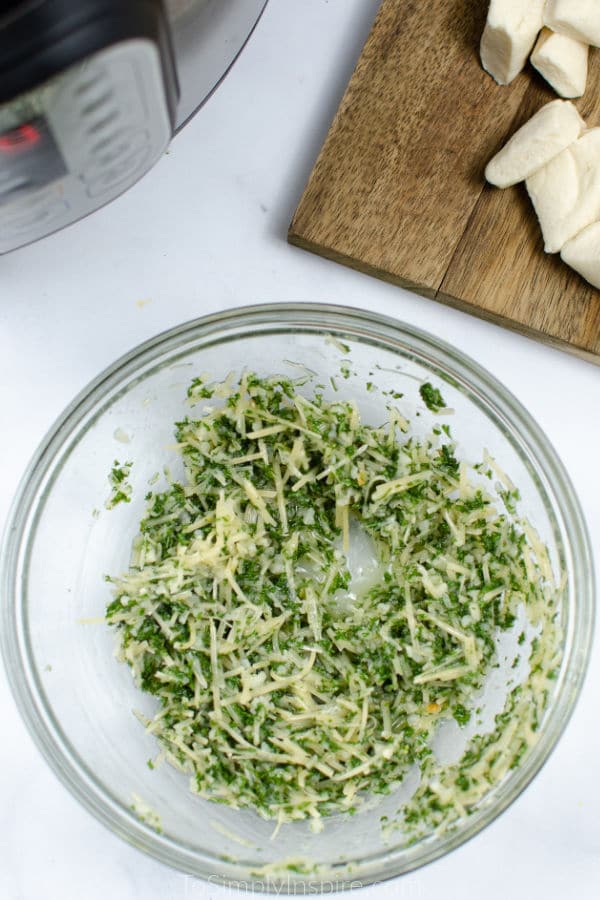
{"points": [[398, 188]]}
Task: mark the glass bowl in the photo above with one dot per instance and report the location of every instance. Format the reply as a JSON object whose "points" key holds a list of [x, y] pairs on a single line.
{"points": [[61, 540]]}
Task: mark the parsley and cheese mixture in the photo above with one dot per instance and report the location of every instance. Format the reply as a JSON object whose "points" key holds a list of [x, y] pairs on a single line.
{"points": [[280, 687]]}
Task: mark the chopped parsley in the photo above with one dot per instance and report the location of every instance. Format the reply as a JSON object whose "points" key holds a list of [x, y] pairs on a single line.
{"points": [[431, 397], [120, 487], [283, 689]]}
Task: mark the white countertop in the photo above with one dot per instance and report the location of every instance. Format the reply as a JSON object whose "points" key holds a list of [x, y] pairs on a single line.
{"points": [[205, 230]]}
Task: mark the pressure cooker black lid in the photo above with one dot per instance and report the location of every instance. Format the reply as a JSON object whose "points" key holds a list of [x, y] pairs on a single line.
{"points": [[40, 38]]}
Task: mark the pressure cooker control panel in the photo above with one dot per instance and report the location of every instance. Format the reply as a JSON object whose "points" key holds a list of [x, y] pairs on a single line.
{"points": [[77, 141]]}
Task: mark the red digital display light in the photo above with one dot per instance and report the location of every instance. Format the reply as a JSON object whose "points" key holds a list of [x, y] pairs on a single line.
{"points": [[19, 139]]}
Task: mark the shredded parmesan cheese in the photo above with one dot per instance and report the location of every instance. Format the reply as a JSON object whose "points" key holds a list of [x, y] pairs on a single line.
{"points": [[280, 687]]}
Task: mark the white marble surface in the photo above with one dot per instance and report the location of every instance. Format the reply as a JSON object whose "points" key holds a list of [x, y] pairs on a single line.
{"points": [[205, 230]]}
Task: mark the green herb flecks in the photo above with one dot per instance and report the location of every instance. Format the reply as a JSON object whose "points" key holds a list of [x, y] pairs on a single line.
{"points": [[279, 688], [431, 397], [120, 487]]}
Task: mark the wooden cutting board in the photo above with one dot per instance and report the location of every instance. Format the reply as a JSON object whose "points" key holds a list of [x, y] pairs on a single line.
{"points": [[398, 189]]}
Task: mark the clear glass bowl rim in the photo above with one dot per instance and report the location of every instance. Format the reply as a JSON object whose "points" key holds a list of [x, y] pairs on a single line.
{"points": [[320, 319]]}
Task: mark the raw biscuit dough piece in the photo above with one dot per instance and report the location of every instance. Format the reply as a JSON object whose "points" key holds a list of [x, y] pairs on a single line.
{"points": [[509, 35], [553, 128], [566, 192], [582, 253], [579, 19], [562, 61]]}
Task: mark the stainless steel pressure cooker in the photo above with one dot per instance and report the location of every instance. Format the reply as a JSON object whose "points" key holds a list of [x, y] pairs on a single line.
{"points": [[91, 92]]}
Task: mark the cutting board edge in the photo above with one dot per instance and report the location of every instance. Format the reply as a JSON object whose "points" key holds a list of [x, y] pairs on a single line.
{"points": [[586, 355], [303, 243], [518, 327]]}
